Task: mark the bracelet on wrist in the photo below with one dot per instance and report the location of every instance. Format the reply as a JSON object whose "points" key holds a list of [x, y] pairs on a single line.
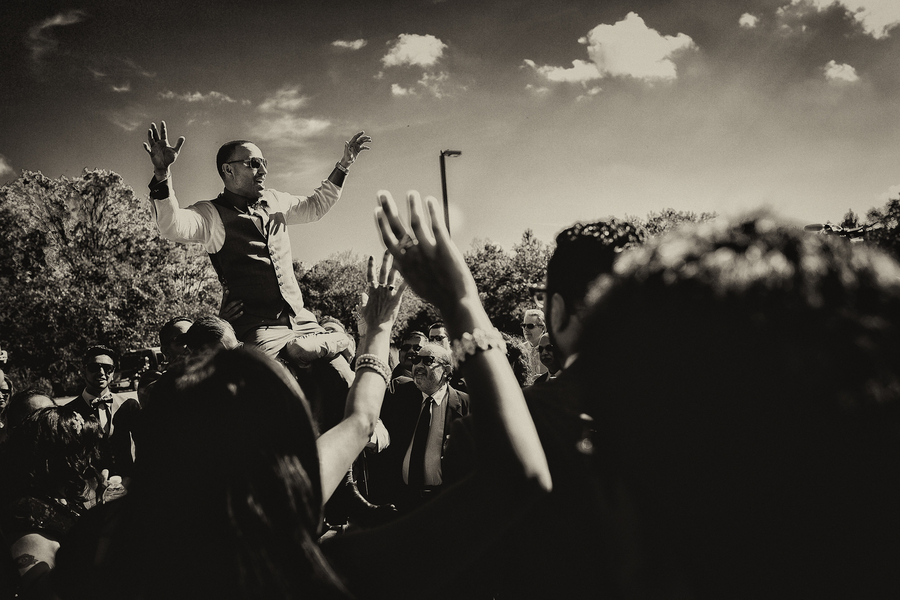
{"points": [[373, 363], [341, 168], [477, 341]]}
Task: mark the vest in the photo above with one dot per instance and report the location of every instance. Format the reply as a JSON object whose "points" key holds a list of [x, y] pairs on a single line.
{"points": [[257, 269]]}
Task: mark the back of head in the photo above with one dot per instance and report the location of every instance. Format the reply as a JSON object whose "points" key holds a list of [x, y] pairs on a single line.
{"points": [[750, 403], [24, 403], [584, 251], [210, 332], [229, 462], [226, 151]]}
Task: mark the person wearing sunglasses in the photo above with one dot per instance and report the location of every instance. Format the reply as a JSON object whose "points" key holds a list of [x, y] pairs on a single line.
{"points": [[417, 416], [532, 329], [244, 230], [116, 415], [412, 343]]}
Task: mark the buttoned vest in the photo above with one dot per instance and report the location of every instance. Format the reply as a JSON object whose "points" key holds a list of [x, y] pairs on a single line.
{"points": [[255, 267]]}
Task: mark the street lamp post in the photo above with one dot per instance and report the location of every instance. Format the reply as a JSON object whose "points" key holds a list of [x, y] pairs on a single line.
{"points": [[444, 184]]}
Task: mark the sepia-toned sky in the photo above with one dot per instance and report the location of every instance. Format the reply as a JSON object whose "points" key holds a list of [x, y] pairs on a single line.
{"points": [[563, 110]]}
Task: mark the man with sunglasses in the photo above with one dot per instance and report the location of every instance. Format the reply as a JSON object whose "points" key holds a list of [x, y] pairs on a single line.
{"points": [[244, 230], [116, 414], [412, 343], [417, 416], [532, 329]]}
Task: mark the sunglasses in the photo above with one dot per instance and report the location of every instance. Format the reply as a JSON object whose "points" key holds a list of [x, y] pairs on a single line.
{"points": [[97, 367], [531, 325], [253, 163], [408, 347], [425, 360], [437, 338], [547, 348]]}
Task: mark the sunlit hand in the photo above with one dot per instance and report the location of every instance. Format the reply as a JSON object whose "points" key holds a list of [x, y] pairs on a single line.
{"points": [[423, 252], [381, 302], [157, 146], [354, 146]]}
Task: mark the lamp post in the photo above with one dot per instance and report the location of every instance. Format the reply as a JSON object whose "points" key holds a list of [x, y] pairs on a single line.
{"points": [[444, 184]]}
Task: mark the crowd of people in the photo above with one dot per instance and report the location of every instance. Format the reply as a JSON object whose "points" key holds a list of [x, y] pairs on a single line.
{"points": [[709, 414]]}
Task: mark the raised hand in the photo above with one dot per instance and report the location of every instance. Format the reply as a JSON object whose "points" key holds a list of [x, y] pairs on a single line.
{"points": [[423, 252], [354, 146], [157, 146], [381, 301]]}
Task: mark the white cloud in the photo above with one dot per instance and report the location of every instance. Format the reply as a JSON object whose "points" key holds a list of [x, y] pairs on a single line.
{"points": [[748, 21], [5, 167], [840, 72], [415, 50], [580, 71], [876, 16], [288, 130], [287, 98], [197, 97], [591, 92], [399, 90], [629, 48], [38, 39], [349, 44], [128, 119], [537, 89], [892, 193], [125, 87]]}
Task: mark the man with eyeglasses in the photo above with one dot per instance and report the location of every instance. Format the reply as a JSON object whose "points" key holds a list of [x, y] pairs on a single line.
{"points": [[117, 415], [417, 416], [244, 230]]}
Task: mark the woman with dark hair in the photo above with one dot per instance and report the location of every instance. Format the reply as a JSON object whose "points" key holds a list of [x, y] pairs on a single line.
{"points": [[47, 468], [227, 500]]}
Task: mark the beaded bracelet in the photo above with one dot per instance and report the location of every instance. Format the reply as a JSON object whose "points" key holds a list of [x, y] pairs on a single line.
{"points": [[341, 168], [470, 343], [370, 361]]}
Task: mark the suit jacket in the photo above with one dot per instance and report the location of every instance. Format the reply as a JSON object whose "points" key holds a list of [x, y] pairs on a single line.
{"points": [[117, 451], [400, 413]]}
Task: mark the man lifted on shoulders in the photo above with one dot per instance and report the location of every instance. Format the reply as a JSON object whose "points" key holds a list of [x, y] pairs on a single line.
{"points": [[244, 230]]}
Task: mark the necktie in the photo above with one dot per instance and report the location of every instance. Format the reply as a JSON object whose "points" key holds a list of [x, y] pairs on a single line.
{"points": [[420, 441], [102, 404]]}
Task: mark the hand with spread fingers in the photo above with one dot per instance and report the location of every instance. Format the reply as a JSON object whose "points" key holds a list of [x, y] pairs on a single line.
{"points": [[424, 253], [381, 302], [157, 146], [354, 147]]}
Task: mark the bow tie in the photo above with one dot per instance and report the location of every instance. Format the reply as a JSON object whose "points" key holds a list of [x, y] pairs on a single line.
{"points": [[107, 400]]}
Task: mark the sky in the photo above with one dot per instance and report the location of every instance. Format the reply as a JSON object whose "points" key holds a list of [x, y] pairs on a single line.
{"points": [[563, 110]]}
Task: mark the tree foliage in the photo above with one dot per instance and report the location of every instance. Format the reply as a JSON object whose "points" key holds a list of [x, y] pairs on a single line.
{"points": [[887, 235], [83, 264], [660, 223]]}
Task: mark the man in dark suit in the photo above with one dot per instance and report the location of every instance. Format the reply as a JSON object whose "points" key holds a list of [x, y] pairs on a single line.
{"points": [[417, 416], [116, 414]]}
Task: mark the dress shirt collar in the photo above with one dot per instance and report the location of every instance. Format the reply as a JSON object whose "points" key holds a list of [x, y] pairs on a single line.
{"points": [[438, 396], [241, 203], [89, 397]]}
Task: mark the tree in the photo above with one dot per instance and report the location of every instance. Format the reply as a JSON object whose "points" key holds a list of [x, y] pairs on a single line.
{"points": [[83, 264], [659, 223], [885, 223]]}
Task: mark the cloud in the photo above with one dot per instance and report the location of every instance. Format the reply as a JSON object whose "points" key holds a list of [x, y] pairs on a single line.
{"points": [[5, 167], [349, 44], [580, 72], [125, 87], [197, 97], [748, 21], [280, 123], [893, 192], [537, 89], [432, 84], [631, 49], [414, 50], [842, 72], [39, 40], [289, 130], [129, 118], [287, 98], [399, 90], [589, 93], [876, 16]]}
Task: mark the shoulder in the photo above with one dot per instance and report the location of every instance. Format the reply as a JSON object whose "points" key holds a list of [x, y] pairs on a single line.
{"points": [[459, 399]]}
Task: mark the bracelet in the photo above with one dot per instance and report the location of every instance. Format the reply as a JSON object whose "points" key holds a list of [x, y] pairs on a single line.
{"points": [[341, 168], [370, 361], [470, 343]]}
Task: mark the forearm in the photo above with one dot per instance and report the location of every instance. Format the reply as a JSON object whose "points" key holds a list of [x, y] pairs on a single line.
{"points": [[340, 445], [175, 223]]}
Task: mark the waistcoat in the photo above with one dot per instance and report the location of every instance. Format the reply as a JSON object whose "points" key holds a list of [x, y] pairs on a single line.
{"points": [[257, 268]]}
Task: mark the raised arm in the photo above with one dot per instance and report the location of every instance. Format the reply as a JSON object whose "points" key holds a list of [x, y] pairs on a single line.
{"points": [[460, 524], [162, 155], [339, 446]]}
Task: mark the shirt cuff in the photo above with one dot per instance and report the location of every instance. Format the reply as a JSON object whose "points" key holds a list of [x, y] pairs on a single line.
{"points": [[159, 190]]}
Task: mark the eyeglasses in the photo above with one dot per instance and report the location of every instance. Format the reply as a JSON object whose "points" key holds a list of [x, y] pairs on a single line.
{"points": [[425, 360], [408, 347], [530, 326], [97, 367], [254, 162]]}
